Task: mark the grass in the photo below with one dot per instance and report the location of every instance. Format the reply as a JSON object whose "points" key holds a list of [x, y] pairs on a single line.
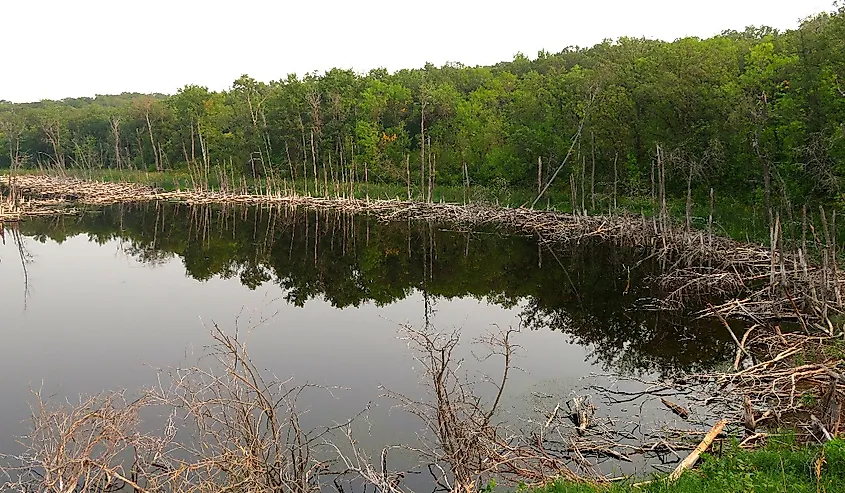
{"points": [[779, 467]]}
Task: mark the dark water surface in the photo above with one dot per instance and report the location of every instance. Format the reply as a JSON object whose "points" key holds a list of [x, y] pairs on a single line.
{"points": [[105, 299]]}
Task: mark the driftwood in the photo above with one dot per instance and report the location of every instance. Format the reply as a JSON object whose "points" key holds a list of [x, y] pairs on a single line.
{"points": [[675, 408], [826, 436], [749, 420], [581, 411], [692, 458]]}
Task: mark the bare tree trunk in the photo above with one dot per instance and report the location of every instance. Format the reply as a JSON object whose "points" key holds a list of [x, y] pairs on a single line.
{"points": [[653, 200], [13, 137], [827, 259], [325, 180], [408, 173], [162, 158], [314, 162], [764, 160], [115, 126], [660, 190], [773, 240], [710, 220], [615, 180], [152, 140], [466, 187], [593, 174], [583, 184], [767, 186], [205, 158], [290, 163], [834, 259], [804, 228], [431, 165], [354, 169], [138, 132], [422, 139], [433, 173], [539, 174], [193, 145], [267, 143], [689, 201], [664, 210]]}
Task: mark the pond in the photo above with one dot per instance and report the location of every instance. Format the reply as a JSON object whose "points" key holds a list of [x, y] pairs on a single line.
{"points": [[105, 299]]}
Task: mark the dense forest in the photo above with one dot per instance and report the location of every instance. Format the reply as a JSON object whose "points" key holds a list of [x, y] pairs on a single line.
{"points": [[758, 114]]}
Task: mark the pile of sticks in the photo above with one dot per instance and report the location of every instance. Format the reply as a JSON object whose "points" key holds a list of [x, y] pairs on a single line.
{"points": [[770, 281], [779, 379], [787, 379]]}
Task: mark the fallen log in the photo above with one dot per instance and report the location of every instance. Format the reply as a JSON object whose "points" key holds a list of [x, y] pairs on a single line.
{"points": [[692, 458], [675, 408]]}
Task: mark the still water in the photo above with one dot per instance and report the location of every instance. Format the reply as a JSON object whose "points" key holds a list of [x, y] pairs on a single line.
{"points": [[106, 299]]}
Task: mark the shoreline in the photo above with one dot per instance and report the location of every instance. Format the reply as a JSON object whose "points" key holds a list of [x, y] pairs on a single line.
{"points": [[697, 264], [784, 366]]}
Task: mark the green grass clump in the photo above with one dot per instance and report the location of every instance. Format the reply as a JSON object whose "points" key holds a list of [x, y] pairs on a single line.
{"points": [[780, 467]]}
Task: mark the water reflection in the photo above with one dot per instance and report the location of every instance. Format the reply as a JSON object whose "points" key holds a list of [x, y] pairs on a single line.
{"points": [[591, 292]]}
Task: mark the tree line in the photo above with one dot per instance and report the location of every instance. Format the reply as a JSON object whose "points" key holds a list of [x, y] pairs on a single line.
{"points": [[756, 114]]}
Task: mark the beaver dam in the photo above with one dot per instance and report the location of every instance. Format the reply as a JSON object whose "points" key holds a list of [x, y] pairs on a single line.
{"points": [[275, 341]]}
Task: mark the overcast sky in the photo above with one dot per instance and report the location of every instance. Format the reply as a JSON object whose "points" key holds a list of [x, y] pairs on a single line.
{"points": [[67, 48]]}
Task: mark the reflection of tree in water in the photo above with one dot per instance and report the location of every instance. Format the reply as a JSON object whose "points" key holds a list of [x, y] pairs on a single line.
{"points": [[603, 314], [23, 254], [148, 256], [637, 341], [584, 291]]}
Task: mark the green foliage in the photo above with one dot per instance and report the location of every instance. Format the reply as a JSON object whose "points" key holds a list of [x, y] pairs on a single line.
{"points": [[774, 102], [777, 468]]}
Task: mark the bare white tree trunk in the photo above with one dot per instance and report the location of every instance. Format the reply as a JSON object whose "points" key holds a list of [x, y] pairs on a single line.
{"points": [[115, 127]]}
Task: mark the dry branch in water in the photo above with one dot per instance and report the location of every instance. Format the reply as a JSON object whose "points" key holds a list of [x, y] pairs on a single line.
{"points": [[232, 428], [229, 429], [464, 433], [245, 431], [77, 447]]}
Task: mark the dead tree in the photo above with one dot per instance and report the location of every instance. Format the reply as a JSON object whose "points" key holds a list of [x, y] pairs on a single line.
{"points": [[692, 166], [760, 116], [576, 139], [52, 129], [422, 138], [115, 128], [314, 98]]}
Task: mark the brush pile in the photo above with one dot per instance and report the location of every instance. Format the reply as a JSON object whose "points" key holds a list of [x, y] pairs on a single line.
{"points": [[771, 282], [788, 379]]}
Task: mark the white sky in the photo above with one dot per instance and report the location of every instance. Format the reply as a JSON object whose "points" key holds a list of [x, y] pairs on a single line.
{"points": [[69, 48]]}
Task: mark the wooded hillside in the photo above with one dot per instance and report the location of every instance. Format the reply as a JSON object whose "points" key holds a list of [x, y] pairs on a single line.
{"points": [[758, 114]]}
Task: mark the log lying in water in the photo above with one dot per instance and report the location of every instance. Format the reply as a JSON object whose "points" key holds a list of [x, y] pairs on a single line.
{"points": [[675, 408]]}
